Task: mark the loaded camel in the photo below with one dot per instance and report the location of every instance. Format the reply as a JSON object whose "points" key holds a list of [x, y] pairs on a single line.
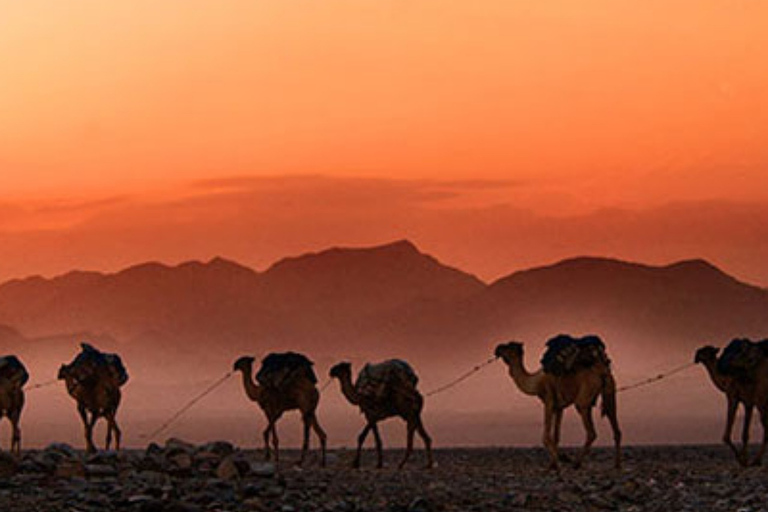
{"points": [[13, 376], [382, 391], [741, 373], [94, 379], [579, 387], [284, 383]]}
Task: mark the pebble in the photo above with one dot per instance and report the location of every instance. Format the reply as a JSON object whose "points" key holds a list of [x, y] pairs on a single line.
{"points": [[218, 477]]}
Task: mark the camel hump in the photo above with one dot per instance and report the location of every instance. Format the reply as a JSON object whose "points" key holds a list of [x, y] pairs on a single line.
{"points": [[279, 369], [13, 370], [566, 354], [117, 368], [91, 363], [379, 379], [741, 357]]}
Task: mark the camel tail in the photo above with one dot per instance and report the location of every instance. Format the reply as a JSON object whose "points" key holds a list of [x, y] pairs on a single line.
{"points": [[608, 403]]}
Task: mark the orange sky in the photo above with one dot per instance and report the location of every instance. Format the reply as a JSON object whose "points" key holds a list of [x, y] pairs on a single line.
{"points": [[116, 116]]}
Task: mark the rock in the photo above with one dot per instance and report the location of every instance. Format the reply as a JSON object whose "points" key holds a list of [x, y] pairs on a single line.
{"points": [[70, 469], [100, 470], [227, 469], [8, 465], [568, 497], [516, 499], [61, 448], [220, 448], [272, 491], [420, 505], [177, 444], [263, 469], [180, 460]]}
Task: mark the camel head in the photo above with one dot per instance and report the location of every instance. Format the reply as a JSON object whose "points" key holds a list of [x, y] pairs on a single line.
{"points": [[706, 354], [508, 351], [243, 364], [341, 370], [64, 372]]}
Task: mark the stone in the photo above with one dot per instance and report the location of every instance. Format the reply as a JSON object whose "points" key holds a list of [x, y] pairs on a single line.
{"points": [[8, 465], [70, 469], [263, 469], [100, 470]]}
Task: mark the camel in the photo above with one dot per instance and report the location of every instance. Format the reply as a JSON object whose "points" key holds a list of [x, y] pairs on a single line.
{"points": [[557, 392], [94, 379], [382, 391], [13, 376], [287, 389], [750, 393]]}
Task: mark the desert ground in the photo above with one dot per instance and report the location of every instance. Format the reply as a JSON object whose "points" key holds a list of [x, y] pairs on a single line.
{"points": [[180, 477]]}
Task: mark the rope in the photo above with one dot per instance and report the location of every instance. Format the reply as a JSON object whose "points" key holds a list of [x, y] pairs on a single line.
{"points": [[41, 385], [188, 406], [325, 386], [655, 378], [462, 377]]}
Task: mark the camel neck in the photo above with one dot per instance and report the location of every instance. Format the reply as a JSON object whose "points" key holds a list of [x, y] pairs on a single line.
{"points": [[527, 382], [252, 390], [718, 379], [348, 389]]}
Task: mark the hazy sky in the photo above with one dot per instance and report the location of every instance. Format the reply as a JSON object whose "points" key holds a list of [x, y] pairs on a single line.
{"points": [[498, 134]]}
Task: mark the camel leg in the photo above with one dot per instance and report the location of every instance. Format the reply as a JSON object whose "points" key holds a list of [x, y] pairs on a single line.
{"points": [[108, 440], [558, 422], [589, 427], [360, 441], [427, 443], [609, 409], [321, 435], [614, 420], [744, 455], [379, 447], [16, 435], [731, 415], [758, 460], [112, 427], [548, 441], [275, 443], [267, 432], [88, 428], [306, 421], [410, 431]]}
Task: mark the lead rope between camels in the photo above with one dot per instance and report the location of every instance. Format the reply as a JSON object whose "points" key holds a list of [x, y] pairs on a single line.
{"points": [[41, 385], [461, 378], [655, 378], [210, 389]]}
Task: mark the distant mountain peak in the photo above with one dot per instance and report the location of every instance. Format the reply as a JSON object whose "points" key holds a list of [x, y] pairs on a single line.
{"points": [[403, 245]]}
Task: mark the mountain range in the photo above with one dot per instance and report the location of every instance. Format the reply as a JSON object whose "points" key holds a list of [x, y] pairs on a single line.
{"points": [[381, 301]]}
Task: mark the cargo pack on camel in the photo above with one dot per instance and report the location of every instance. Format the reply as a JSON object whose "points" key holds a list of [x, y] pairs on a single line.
{"points": [[377, 380], [90, 362], [741, 357], [566, 354], [279, 369]]}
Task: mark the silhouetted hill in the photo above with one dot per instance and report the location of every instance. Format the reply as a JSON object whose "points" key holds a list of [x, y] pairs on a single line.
{"points": [[691, 300], [367, 280]]}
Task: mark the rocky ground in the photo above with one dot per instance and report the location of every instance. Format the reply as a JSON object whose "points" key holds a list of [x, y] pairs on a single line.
{"points": [[179, 477]]}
